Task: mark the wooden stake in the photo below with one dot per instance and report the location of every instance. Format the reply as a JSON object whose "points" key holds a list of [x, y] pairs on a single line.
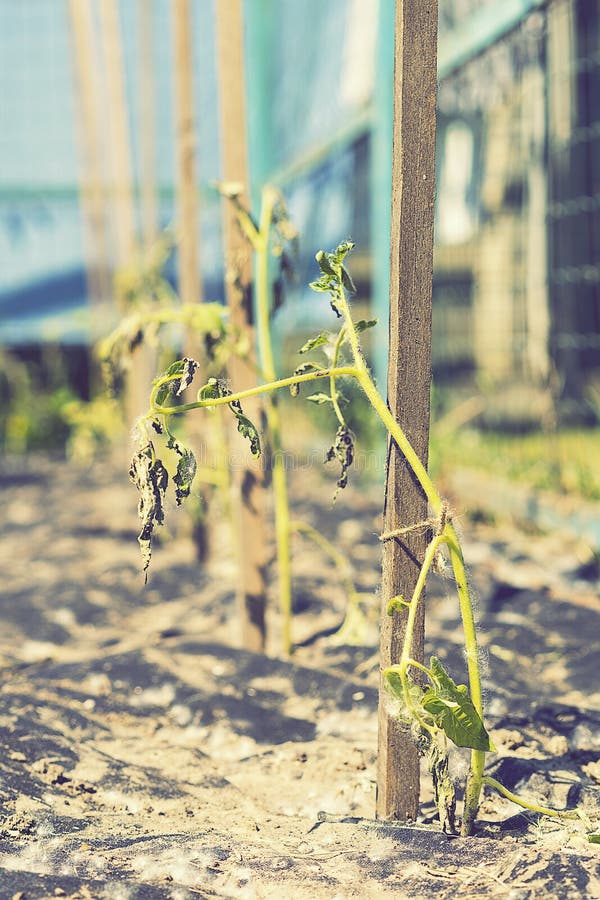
{"points": [[188, 229], [145, 357], [118, 139], [190, 282], [147, 101], [93, 199], [409, 368], [249, 480]]}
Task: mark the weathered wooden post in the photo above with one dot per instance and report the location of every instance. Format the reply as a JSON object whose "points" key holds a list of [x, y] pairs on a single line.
{"points": [[190, 283], [119, 145], [92, 189], [248, 478], [409, 368], [149, 214]]}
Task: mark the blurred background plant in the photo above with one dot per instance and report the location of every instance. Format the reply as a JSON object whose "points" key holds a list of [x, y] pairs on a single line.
{"points": [[92, 209]]}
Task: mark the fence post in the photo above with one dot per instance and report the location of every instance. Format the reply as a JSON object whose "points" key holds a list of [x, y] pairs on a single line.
{"points": [[409, 368], [248, 479]]}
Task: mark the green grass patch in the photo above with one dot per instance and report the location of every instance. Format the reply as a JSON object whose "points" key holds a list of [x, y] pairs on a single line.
{"points": [[564, 462]]}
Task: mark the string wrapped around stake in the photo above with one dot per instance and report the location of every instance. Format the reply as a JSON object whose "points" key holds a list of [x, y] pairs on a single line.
{"points": [[437, 522]]}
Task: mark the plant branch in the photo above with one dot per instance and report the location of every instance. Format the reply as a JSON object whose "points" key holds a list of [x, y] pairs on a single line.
{"points": [[242, 395]]}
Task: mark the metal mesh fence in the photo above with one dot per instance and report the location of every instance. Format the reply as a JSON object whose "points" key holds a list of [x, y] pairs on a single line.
{"points": [[517, 261], [517, 270]]}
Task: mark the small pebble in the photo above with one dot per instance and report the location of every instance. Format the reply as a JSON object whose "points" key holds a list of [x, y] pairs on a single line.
{"points": [[583, 738]]}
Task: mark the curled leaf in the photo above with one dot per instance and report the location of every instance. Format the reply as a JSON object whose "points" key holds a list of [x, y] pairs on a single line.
{"points": [[216, 388], [187, 375], [397, 603], [334, 278], [321, 286], [343, 249], [323, 338], [213, 389], [183, 478], [393, 684], [303, 369], [186, 469], [347, 280], [343, 451], [175, 380], [326, 267], [363, 324], [246, 428], [151, 479]]}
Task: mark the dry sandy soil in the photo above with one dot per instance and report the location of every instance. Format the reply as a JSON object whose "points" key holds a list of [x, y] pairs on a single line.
{"points": [[144, 756]]}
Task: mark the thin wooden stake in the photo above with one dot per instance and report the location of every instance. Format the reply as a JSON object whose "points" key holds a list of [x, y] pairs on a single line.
{"points": [[249, 480], [409, 369], [190, 282], [188, 229], [145, 356], [147, 101], [118, 141], [93, 199]]}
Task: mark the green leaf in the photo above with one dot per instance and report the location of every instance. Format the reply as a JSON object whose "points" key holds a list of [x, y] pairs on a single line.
{"points": [[452, 710], [363, 324], [343, 249], [186, 469], [323, 260], [306, 367], [594, 838], [322, 286], [396, 604], [247, 429], [393, 684], [183, 478], [320, 398], [184, 369], [347, 281], [323, 338], [212, 390], [303, 369]]}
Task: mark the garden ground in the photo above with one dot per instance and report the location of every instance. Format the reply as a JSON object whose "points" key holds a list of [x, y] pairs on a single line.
{"points": [[145, 756]]}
